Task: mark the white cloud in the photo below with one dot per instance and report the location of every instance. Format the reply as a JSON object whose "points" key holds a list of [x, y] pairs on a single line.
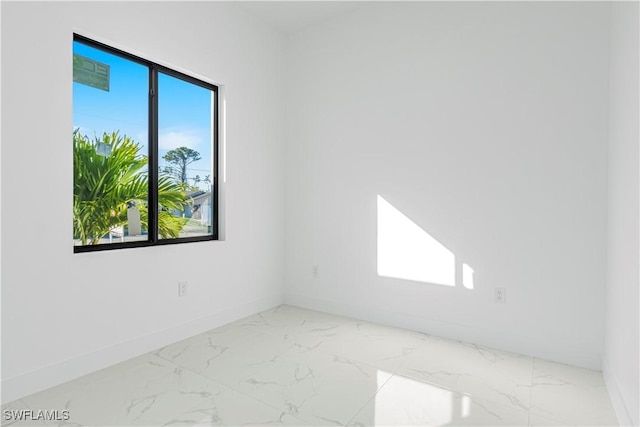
{"points": [[171, 139]]}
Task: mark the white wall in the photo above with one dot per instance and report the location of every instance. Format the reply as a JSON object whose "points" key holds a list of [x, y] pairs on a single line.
{"points": [[621, 356], [65, 314], [486, 125]]}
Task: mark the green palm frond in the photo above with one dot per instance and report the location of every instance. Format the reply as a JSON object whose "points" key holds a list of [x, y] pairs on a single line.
{"points": [[105, 186]]}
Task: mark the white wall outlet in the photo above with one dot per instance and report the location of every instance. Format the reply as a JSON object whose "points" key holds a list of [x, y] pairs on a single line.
{"points": [[182, 289], [501, 296], [314, 271]]}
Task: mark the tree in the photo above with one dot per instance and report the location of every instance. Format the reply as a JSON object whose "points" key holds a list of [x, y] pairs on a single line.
{"points": [[180, 158], [105, 186]]}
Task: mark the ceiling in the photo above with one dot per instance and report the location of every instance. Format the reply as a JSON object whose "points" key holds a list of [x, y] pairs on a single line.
{"points": [[289, 17]]}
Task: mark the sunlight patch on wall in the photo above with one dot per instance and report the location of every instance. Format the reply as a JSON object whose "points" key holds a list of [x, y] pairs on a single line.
{"points": [[467, 276], [406, 251]]}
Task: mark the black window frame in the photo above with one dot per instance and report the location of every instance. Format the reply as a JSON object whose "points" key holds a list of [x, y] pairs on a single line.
{"points": [[152, 198]]}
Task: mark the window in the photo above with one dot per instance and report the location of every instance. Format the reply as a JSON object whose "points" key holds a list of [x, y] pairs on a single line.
{"points": [[144, 152]]}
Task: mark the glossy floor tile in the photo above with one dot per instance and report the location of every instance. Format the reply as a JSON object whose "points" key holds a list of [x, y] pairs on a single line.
{"points": [[405, 401], [570, 395], [290, 366], [481, 373]]}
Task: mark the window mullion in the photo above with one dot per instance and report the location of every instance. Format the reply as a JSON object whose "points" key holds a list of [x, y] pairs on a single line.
{"points": [[153, 155]]}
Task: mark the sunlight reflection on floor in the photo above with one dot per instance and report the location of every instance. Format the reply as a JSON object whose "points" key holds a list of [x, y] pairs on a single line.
{"points": [[416, 402]]}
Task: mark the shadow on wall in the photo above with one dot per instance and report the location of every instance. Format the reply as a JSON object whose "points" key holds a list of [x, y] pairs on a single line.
{"points": [[406, 251]]}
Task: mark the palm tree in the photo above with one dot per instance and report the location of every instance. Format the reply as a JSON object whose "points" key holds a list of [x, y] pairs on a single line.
{"points": [[106, 186]]}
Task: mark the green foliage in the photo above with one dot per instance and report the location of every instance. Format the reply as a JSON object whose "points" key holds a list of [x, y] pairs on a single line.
{"points": [[180, 158], [105, 186]]}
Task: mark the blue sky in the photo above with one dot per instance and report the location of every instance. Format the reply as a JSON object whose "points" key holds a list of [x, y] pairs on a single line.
{"points": [[185, 110]]}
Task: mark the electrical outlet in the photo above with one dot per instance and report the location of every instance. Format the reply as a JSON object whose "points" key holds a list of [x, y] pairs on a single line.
{"points": [[182, 289], [501, 296], [314, 271]]}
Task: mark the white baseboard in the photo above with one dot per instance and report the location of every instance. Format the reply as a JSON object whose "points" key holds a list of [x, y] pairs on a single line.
{"points": [[515, 343], [32, 382], [617, 399]]}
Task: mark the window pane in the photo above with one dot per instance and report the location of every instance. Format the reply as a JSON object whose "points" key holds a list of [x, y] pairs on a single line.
{"points": [[185, 129], [110, 147]]}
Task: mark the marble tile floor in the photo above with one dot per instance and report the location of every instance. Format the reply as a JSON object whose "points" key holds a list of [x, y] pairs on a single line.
{"points": [[297, 367]]}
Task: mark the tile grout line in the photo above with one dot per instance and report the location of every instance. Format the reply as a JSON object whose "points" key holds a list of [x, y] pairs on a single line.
{"points": [[259, 332], [372, 397], [395, 372], [317, 351], [230, 387]]}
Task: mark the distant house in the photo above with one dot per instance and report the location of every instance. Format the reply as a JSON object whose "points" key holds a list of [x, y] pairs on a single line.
{"points": [[201, 201]]}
